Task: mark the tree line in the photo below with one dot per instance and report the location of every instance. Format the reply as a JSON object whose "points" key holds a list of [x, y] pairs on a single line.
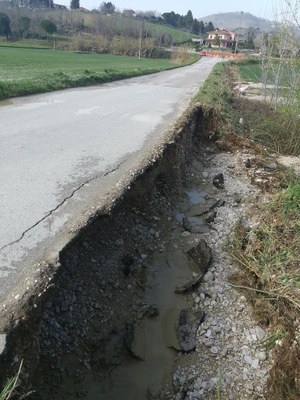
{"points": [[183, 22]]}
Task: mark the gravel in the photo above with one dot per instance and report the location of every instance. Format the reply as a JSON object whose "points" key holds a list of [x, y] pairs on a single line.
{"points": [[230, 356]]}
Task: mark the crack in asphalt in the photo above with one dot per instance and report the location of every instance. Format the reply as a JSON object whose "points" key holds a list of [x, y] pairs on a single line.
{"points": [[60, 205]]}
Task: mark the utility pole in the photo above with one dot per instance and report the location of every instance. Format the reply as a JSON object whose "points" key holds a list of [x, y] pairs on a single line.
{"points": [[140, 45], [236, 39]]}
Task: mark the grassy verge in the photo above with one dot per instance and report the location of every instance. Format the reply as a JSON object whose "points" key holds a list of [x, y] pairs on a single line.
{"points": [[26, 71], [268, 252], [270, 257], [279, 128]]}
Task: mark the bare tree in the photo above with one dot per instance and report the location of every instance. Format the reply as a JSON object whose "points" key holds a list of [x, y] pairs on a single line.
{"points": [[279, 51]]}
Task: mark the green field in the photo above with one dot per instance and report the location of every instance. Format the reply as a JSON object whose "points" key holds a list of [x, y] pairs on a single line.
{"points": [[250, 71], [26, 71]]}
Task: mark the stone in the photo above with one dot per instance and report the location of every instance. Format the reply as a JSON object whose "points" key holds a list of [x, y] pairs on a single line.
{"points": [[218, 181], [186, 330], [2, 343], [211, 217], [260, 333], [262, 356], [190, 285], [201, 255], [247, 163], [271, 166], [219, 203], [127, 262], [153, 311], [131, 341], [186, 224]]}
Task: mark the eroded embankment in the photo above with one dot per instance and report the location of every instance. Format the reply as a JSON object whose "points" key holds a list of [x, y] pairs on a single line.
{"points": [[74, 308], [121, 315]]}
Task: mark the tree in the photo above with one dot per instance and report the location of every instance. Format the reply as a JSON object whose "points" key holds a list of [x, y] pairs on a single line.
{"points": [[172, 19], [24, 25], [216, 41], [48, 26], [107, 8], [188, 19], [4, 25], [209, 27], [201, 27], [75, 4], [196, 26]]}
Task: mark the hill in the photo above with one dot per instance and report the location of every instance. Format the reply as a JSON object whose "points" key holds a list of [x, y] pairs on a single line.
{"points": [[234, 20]]}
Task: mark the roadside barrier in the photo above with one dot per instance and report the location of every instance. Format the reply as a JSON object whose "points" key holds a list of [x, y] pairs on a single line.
{"points": [[221, 54]]}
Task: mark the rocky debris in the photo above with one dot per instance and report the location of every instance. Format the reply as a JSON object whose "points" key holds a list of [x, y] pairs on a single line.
{"points": [[190, 285], [248, 163], [187, 224], [199, 210], [290, 162], [211, 217], [201, 255], [127, 262], [219, 203], [230, 356], [194, 225], [2, 343], [186, 329], [149, 310], [218, 181], [136, 349], [271, 166]]}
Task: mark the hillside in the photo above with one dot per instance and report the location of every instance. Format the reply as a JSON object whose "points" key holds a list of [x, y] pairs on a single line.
{"points": [[234, 20], [72, 22]]}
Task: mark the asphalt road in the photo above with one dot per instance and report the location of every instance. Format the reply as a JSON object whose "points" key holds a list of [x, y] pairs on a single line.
{"points": [[62, 152]]}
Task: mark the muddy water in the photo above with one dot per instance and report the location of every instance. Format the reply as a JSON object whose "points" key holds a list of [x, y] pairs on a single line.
{"points": [[155, 337]]}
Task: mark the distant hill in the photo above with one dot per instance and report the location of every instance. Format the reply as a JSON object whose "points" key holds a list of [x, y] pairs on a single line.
{"points": [[234, 20]]}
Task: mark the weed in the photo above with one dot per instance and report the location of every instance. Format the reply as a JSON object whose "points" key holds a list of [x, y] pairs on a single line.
{"points": [[291, 201], [10, 388], [274, 339], [219, 386]]}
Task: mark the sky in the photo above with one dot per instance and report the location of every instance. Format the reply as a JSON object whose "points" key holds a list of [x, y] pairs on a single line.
{"points": [[199, 8]]}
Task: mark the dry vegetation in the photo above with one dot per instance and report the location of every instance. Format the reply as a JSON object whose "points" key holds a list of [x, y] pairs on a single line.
{"points": [[268, 249]]}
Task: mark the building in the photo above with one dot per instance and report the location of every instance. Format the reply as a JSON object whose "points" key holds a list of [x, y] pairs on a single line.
{"points": [[221, 38], [129, 13]]}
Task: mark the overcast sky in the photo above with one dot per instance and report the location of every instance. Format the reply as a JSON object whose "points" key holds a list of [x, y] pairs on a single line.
{"points": [[199, 8]]}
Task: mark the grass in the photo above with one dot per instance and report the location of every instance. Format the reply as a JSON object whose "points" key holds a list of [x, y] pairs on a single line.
{"points": [[26, 71], [9, 390], [250, 70]]}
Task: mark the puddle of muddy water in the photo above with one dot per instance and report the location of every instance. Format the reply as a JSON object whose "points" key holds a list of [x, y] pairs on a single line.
{"points": [[155, 337]]}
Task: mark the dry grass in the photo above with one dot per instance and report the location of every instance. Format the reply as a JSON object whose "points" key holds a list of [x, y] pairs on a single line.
{"points": [[269, 255], [181, 56]]}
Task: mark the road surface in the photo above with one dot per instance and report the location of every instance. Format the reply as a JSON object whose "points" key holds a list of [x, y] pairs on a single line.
{"points": [[62, 152]]}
